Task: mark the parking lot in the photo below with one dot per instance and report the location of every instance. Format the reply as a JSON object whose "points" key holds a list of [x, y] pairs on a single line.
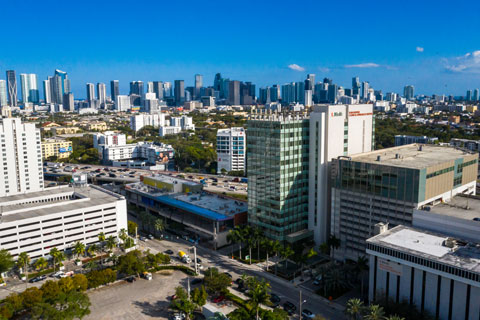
{"points": [[141, 299]]}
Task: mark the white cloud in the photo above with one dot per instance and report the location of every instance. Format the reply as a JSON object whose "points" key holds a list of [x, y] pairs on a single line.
{"points": [[420, 49], [468, 63], [363, 65], [324, 69], [296, 67]]}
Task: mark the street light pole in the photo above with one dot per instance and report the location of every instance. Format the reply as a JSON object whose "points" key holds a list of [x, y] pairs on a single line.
{"points": [[300, 305], [195, 257]]}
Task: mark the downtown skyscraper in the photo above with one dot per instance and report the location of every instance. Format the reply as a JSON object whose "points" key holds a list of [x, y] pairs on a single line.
{"points": [[3, 93], [114, 89], [29, 87], [12, 88]]}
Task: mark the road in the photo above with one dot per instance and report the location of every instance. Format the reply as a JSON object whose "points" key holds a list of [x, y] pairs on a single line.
{"points": [[285, 289]]}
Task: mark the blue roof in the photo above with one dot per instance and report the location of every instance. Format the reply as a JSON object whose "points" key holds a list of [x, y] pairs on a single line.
{"points": [[192, 208]]}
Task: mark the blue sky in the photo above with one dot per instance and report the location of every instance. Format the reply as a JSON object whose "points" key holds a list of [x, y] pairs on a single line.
{"points": [[430, 44]]}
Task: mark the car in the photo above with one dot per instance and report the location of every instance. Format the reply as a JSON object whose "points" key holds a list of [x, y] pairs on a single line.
{"points": [[196, 281], [168, 251], [131, 279], [143, 238], [59, 274], [307, 314], [85, 168], [177, 316], [131, 176], [218, 299], [150, 237], [112, 175], [275, 300], [199, 260], [229, 275], [37, 279], [289, 307], [317, 280]]}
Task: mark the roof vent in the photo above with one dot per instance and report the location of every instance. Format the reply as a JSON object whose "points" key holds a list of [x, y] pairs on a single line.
{"points": [[449, 243], [379, 158], [397, 156], [420, 148]]}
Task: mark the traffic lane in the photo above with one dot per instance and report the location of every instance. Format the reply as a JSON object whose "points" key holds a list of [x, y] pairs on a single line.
{"points": [[236, 269]]}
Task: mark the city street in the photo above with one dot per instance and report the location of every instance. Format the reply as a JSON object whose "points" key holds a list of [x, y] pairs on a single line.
{"points": [[283, 288]]}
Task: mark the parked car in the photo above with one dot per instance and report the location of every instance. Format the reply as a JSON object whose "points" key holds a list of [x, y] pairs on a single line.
{"points": [[112, 175], [275, 300], [196, 281], [289, 307], [168, 251], [218, 299], [37, 279], [150, 237], [131, 279], [307, 314]]}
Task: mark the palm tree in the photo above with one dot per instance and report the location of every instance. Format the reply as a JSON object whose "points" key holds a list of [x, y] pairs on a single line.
{"points": [[41, 263], [23, 261], [79, 248], [54, 253], [287, 252], [60, 257], [231, 239], [354, 308], [259, 293], [249, 237], [238, 235], [360, 267], [335, 280], [276, 247], [101, 239], [257, 236], [375, 312], [92, 249], [394, 317], [111, 242], [159, 225], [123, 234], [333, 243], [268, 245]]}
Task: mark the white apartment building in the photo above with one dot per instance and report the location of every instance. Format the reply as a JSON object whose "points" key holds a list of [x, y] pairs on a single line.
{"points": [[59, 217], [166, 130], [335, 130], [109, 138], [123, 103], [185, 122], [137, 122], [436, 273], [21, 168], [231, 149], [149, 152]]}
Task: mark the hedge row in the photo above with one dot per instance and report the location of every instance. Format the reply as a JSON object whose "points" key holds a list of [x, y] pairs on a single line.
{"points": [[184, 269]]}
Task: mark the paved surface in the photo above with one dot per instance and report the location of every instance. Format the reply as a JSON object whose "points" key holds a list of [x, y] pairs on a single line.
{"points": [[285, 289], [141, 299]]}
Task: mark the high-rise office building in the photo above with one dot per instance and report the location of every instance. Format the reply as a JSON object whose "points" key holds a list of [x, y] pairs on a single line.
{"points": [[300, 92], [158, 89], [469, 95], [59, 84], [68, 102], [90, 92], [356, 86], [167, 89], [408, 92], [12, 88], [311, 78], [288, 93], [217, 82], [47, 92], [136, 87], [29, 87], [102, 94], [364, 92], [476, 95], [198, 85], [332, 94], [123, 103], [150, 87], [277, 167], [389, 185], [114, 89], [3, 93], [335, 130], [179, 92], [21, 151], [234, 93], [231, 149]]}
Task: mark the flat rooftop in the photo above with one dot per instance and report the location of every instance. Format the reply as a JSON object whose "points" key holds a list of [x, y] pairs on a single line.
{"points": [[216, 203], [460, 206], [414, 156], [171, 180], [430, 245], [18, 207]]}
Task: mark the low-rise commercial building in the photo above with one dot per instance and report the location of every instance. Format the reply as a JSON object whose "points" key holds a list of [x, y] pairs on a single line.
{"points": [[204, 216], [166, 130], [149, 152], [137, 122], [58, 217], [436, 273], [387, 185]]}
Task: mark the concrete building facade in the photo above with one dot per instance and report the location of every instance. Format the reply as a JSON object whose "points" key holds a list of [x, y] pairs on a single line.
{"points": [[59, 148], [231, 149]]}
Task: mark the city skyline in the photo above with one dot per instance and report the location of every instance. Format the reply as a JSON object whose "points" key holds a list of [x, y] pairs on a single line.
{"points": [[283, 46]]}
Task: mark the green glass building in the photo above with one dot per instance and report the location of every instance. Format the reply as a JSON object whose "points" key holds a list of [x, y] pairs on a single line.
{"points": [[277, 169]]}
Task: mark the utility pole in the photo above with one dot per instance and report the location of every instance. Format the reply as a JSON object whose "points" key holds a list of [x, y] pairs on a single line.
{"points": [[188, 287], [195, 257], [300, 305]]}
